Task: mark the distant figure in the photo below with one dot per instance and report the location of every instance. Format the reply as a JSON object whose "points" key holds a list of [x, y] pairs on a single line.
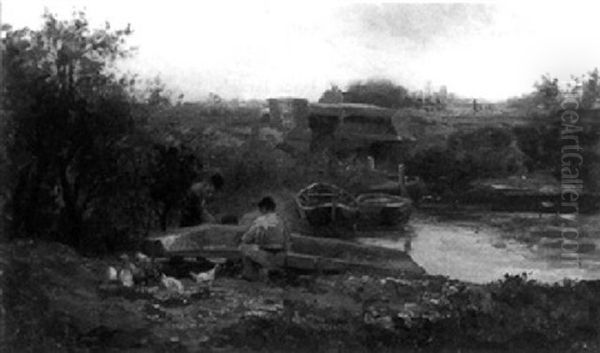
{"points": [[194, 210], [265, 244], [474, 105]]}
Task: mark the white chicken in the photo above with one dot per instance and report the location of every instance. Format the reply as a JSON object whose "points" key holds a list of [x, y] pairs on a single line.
{"points": [[172, 284], [126, 277], [141, 257], [112, 274], [207, 277]]}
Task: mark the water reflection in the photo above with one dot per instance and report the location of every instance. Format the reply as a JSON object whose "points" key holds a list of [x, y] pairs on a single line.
{"points": [[474, 252]]}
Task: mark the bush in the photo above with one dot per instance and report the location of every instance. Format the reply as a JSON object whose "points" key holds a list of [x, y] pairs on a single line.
{"points": [[383, 93], [541, 143], [442, 170], [506, 310], [483, 153]]}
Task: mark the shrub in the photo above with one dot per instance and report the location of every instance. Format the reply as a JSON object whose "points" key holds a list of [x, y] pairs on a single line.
{"points": [[383, 93], [483, 153]]}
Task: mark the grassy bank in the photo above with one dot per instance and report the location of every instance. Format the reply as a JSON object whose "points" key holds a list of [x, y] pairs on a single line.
{"points": [[53, 302]]}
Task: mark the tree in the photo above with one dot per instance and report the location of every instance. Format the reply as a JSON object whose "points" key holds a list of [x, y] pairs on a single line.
{"points": [[547, 92], [591, 89], [70, 118], [383, 93], [332, 95]]}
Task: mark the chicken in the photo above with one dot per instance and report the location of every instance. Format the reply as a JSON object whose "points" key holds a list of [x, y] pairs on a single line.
{"points": [[126, 277], [112, 274], [141, 257], [171, 284], [207, 277], [138, 273]]}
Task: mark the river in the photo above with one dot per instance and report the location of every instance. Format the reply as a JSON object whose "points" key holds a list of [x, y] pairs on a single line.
{"points": [[472, 250]]}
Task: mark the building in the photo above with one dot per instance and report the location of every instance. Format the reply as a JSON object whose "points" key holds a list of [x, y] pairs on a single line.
{"points": [[288, 113], [356, 131]]}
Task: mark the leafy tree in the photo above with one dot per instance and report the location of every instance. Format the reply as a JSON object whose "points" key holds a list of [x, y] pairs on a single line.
{"points": [[332, 95], [547, 92], [70, 117], [591, 89], [383, 93]]}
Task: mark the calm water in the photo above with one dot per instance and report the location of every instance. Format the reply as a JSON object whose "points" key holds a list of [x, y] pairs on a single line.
{"points": [[475, 252]]}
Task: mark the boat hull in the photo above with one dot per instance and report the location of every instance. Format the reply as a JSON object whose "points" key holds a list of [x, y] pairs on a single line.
{"points": [[306, 253], [378, 209]]}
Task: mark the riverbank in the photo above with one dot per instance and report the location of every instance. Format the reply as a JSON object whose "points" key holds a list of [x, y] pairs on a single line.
{"points": [[53, 301]]}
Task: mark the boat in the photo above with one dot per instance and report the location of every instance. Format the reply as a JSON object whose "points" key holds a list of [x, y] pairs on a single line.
{"points": [[325, 204], [306, 253], [379, 209]]}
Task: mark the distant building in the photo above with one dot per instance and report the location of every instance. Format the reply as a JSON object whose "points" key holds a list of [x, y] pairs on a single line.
{"points": [[352, 130], [288, 112]]}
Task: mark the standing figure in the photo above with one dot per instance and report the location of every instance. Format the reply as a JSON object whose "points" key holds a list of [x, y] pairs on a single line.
{"points": [[194, 211], [265, 244]]}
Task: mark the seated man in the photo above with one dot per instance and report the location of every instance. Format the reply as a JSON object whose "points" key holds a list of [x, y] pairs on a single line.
{"points": [[266, 242]]}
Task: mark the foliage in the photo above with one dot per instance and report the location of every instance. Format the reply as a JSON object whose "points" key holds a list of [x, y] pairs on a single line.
{"points": [[541, 143], [506, 310], [216, 113], [68, 116], [441, 170], [485, 152], [591, 89], [332, 95], [174, 169], [490, 149], [547, 92], [383, 93], [87, 167]]}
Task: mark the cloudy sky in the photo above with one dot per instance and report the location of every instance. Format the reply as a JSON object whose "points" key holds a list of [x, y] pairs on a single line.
{"points": [[259, 49]]}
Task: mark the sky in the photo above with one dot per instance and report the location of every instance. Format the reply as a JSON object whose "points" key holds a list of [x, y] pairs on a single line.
{"points": [[260, 49]]}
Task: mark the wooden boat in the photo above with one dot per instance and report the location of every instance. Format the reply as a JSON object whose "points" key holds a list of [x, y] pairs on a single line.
{"points": [[306, 253], [383, 209], [323, 204]]}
